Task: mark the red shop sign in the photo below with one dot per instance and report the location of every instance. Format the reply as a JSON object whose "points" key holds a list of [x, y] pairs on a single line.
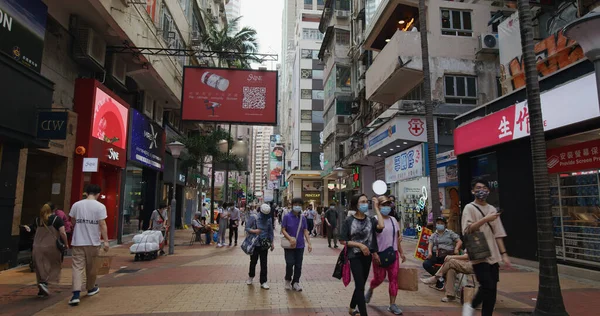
{"points": [[574, 157]]}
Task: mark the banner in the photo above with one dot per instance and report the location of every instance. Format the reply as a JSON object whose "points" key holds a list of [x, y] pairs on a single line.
{"points": [[423, 244], [276, 153], [242, 96], [575, 157], [147, 144], [22, 29]]}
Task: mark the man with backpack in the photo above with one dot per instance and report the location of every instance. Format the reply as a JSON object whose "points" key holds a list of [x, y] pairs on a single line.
{"points": [[159, 221]]}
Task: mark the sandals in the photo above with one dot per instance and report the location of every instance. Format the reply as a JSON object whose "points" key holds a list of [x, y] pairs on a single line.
{"points": [[353, 312]]}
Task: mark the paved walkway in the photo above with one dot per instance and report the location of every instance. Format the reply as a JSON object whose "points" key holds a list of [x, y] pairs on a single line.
{"points": [[203, 280]]}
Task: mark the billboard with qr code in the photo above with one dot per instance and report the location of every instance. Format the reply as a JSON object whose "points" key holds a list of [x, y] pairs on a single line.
{"points": [[223, 95]]}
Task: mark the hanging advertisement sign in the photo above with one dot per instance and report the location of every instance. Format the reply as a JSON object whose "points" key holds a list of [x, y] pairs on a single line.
{"points": [[423, 244], [513, 122], [575, 157], [276, 153], [404, 165], [241, 96], [22, 29], [147, 144]]}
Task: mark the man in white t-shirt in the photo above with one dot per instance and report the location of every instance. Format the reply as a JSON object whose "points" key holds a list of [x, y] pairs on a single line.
{"points": [[89, 218], [159, 220]]}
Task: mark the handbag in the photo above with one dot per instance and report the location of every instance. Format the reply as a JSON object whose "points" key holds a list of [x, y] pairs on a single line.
{"points": [[285, 243], [251, 241], [476, 244], [342, 267], [59, 244], [388, 256]]}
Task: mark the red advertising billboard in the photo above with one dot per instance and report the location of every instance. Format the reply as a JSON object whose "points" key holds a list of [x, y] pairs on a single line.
{"points": [[240, 96], [574, 157]]}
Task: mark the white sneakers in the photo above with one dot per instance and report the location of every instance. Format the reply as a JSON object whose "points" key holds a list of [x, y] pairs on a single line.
{"points": [[249, 281], [288, 285], [265, 286], [297, 287], [468, 310]]}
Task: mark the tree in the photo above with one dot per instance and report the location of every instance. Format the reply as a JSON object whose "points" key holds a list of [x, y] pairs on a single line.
{"points": [[235, 46], [202, 146], [549, 300], [431, 146]]}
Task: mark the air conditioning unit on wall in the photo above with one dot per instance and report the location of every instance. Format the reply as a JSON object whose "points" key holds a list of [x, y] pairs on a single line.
{"points": [[89, 48], [118, 69], [488, 43], [342, 13]]}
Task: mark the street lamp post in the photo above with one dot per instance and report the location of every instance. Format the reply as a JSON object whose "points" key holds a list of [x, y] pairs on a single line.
{"points": [[247, 173], [585, 32], [175, 148], [340, 174]]}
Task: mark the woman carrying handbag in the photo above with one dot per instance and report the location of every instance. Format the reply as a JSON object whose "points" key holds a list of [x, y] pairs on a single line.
{"points": [[262, 226], [359, 234], [387, 259]]}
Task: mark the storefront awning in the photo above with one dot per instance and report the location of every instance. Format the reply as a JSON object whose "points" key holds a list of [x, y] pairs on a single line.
{"points": [[573, 102]]}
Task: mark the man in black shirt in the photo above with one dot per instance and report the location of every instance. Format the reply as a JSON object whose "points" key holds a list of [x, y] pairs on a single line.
{"points": [[331, 218]]}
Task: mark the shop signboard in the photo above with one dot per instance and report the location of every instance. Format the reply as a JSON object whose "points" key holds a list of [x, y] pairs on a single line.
{"points": [[276, 153], [90, 165], [423, 244], [223, 95], [575, 157], [147, 144], [404, 165], [22, 29], [406, 128], [568, 104], [311, 186], [52, 125]]}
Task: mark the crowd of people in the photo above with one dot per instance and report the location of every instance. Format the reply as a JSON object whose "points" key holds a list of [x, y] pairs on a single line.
{"points": [[370, 239]]}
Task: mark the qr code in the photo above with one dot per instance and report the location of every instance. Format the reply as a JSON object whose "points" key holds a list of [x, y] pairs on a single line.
{"points": [[254, 98]]}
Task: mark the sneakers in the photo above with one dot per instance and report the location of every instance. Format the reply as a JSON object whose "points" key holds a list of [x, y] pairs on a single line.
{"points": [[447, 299], [368, 295], [329, 246], [395, 309], [288, 285], [265, 286], [43, 289], [219, 245], [297, 287], [75, 299], [93, 291], [468, 310], [430, 280], [249, 281], [41, 294]]}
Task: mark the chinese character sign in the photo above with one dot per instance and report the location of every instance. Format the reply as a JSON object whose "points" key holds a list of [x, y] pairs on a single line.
{"points": [[574, 157], [404, 165]]}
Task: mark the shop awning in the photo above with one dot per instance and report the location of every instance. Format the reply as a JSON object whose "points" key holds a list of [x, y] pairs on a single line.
{"points": [[573, 102]]}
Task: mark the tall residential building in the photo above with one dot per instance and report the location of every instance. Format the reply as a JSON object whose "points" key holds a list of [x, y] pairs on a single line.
{"points": [[234, 10], [303, 104], [260, 159]]}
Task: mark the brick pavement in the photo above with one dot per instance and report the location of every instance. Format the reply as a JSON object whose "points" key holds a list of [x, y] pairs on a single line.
{"points": [[203, 280]]}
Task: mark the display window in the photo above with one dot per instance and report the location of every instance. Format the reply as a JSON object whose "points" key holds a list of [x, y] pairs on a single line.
{"points": [[134, 186], [575, 204]]}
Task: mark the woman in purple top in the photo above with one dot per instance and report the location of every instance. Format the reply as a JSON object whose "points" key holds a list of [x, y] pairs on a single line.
{"points": [[297, 238]]}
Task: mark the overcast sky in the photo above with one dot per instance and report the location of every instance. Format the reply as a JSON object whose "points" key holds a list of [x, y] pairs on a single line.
{"points": [[265, 17]]}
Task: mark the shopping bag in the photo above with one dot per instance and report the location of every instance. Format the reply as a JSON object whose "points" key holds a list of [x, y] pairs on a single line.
{"points": [[408, 279], [339, 266], [102, 264], [346, 273], [215, 236]]}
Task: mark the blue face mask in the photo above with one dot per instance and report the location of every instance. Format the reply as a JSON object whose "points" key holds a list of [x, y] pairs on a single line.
{"points": [[297, 209], [385, 210], [363, 207], [440, 227]]}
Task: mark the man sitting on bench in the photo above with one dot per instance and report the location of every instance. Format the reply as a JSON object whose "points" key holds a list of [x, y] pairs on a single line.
{"points": [[452, 265], [200, 227]]}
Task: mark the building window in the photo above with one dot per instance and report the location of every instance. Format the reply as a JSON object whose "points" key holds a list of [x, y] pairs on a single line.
{"points": [[306, 94], [320, 4], [460, 89], [317, 74], [343, 74], [416, 94], [305, 116], [317, 94], [342, 5], [306, 74], [498, 87], [317, 117], [310, 137], [456, 23], [315, 54], [308, 4], [310, 161], [312, 34], [305, 161], [306, 54], [342, 37]]}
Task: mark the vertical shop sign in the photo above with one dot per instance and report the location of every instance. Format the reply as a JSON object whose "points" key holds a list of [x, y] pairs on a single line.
{"points": [[276, 152]]}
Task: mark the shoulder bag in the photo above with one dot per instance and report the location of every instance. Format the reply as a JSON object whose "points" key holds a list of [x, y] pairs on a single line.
{"points": [[476, 244], [388, 256], [285, 243], [251, 241], [59, 244]]}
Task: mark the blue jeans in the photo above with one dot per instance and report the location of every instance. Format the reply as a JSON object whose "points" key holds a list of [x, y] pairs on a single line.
{"points": [[293, 264]]}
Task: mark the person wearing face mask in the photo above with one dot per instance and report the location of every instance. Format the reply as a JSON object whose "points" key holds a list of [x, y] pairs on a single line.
{"points": [[359, 235], [442, 242], [483, 217], [388, 243], [331, 218], [295, 230], [262, 226]]}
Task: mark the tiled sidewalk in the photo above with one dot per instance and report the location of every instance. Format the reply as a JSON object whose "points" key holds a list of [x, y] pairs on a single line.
{"points": [[203, 280]]}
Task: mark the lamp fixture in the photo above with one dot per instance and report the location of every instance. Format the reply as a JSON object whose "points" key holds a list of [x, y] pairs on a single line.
{"points": [[398, 146], [401, 22], [385, 152], [405, 143], [387, 40]]}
